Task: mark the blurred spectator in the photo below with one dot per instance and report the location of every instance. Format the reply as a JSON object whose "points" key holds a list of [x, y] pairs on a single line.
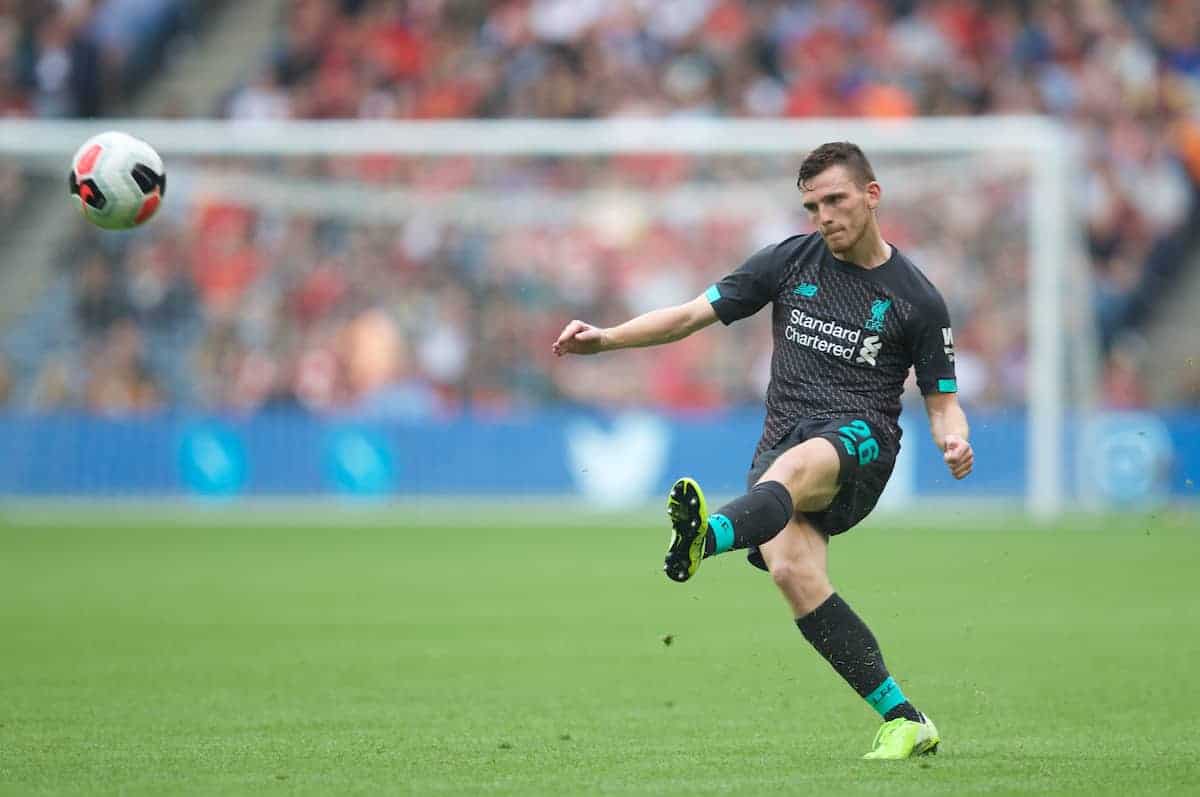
{"points": [[66, 74], [118, 382], [101, 301], [380, 377], [56, 387], [1124, 378], [61, 58], [261, 100]]}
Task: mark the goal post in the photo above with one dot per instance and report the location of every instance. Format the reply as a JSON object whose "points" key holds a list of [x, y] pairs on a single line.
{"points": [[1043, 151]]}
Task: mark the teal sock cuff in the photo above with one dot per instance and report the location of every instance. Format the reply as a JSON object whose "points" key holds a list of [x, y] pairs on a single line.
{"points": [[886, 696], [722, 530]]}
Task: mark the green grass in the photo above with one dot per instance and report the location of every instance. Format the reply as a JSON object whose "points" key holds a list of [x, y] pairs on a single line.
{"points": [[193, 653]]}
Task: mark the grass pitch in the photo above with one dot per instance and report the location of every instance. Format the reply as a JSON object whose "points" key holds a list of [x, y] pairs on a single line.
{"points": [[190, 652]]}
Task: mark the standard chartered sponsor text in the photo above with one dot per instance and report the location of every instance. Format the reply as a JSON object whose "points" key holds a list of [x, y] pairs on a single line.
{"points": [[802, 329]]}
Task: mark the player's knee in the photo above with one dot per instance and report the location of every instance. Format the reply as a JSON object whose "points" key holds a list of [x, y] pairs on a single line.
{"points": [[791, 472], [799, 578], [810, 492]]}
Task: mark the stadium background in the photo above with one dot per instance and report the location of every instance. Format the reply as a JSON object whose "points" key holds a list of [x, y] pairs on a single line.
{"points": [[220, 311], [225, 351]]}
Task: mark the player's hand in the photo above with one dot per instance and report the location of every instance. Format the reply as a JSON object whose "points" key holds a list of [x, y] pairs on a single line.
{"points": [[958, 456], [579, 338]]}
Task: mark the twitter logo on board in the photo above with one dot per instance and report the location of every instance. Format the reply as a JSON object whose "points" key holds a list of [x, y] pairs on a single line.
{"points": [[621, 466]]}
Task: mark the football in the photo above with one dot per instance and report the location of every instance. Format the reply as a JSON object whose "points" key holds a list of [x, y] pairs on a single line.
{"points": [[119, 180]]}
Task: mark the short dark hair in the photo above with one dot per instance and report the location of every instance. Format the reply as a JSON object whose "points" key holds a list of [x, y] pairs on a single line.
{"points": [[832, 154]]}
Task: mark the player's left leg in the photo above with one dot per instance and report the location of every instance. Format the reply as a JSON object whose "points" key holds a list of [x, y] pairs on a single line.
{"points": [[797, 559]]}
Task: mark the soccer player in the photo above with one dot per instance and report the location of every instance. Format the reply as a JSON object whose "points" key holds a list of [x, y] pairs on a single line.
{"points": [[850, 314]]}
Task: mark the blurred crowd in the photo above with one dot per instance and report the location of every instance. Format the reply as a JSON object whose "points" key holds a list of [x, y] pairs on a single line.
{"points": [[221, 305], [70, 58]]}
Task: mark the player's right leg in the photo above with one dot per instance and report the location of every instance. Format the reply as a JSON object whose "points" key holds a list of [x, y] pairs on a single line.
{"points": [[803, 478]]}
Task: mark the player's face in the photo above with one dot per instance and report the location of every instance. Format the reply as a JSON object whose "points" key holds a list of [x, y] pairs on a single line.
{"points": [[840, 208]]}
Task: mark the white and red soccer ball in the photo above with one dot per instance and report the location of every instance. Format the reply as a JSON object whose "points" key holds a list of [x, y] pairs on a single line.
{"points": [[118, 179]]}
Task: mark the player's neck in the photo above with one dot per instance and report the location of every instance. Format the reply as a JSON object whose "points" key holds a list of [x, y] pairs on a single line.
{"points": [[870, 251]]}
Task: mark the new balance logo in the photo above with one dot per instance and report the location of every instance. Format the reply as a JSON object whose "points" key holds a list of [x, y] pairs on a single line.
{"points": [[870, 350], [805, 289]]}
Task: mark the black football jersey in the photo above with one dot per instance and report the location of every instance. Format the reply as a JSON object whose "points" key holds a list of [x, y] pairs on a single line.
{"points": [[845, 336]]}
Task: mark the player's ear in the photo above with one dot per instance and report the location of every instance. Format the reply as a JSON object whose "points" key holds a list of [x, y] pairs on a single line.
{"points": [[874, 194]]}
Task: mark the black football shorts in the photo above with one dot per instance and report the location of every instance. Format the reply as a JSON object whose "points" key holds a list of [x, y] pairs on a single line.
{"points": [[867, 460]]}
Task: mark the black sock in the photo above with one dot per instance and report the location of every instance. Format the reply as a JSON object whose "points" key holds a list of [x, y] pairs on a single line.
{"points": [[844, 640], [750, 520]]}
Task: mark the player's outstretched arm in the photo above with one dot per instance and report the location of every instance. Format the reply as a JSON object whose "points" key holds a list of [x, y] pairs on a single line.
{"points": [[649, 329], [948, 423]]}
